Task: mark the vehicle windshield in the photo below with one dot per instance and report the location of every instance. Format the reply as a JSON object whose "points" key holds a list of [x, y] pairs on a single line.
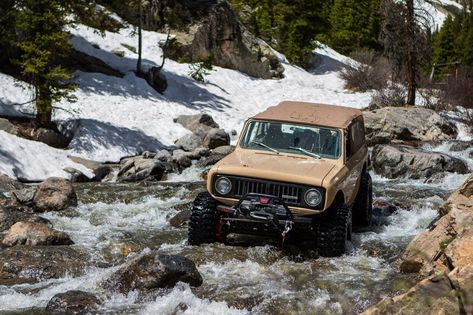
{"points": [[284, 137]]}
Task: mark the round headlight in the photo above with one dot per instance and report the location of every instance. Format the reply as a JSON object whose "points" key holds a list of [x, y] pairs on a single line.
{"points": [[313, 197], [223, 185]]}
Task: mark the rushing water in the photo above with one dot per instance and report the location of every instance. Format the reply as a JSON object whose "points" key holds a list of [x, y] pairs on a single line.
{"points": [[115, 222]]}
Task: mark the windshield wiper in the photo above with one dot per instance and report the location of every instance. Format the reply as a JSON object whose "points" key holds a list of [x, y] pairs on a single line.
{"points": [[265, 146], [306, 152]]}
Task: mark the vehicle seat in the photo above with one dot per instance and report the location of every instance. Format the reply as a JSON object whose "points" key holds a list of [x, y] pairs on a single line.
{"points": [[328, 143], [274, 136]]}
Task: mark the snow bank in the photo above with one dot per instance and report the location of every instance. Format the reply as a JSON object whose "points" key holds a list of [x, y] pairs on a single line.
{"points": [[33, 161]]}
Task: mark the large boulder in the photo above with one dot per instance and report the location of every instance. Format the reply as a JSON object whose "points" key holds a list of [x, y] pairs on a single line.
{"points": [[443, 258], [394, 161], [7, 126], [73, 302], [153, 271], [199, 124], [139, 168], [34, 234], [31, 264], [189, 142], [55, 194], [210, 29], [216, 138], [389, 124], [215, 155]]}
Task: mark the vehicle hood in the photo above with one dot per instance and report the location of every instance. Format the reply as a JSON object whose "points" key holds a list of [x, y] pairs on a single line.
{"points": [[284, 167]]}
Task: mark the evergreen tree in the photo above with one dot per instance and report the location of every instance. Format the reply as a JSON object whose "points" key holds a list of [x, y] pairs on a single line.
{"points": [[43, 42], [444, 50], [354, 24]]}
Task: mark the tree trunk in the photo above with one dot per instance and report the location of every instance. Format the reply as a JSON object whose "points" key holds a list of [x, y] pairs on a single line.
{"points": [[140, 38], [411, 61], [44, 107]]}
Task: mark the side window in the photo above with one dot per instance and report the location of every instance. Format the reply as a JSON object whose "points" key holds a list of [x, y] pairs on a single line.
{"points": [[348, 142], [357, 136]]}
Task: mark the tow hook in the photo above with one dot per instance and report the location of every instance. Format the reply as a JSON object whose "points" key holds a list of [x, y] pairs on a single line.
{"points": [[287, 229]]}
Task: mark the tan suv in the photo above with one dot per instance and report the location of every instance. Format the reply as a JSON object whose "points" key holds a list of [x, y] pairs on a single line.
{"points": [[299, 170]]}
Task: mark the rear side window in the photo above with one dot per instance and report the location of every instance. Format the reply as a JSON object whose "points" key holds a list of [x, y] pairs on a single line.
{"points": [[357, 136]]}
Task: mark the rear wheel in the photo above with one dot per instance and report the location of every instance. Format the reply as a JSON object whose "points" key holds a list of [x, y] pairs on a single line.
{"points": [[363, 207], [334, 232], [203, 221]]}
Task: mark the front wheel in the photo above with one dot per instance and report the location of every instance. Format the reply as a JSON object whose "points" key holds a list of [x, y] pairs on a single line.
{"points": [[203, 221], [334, 232]]}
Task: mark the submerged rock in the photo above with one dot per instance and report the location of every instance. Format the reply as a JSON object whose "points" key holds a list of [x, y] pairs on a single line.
{"points": [[55, 194], [73, 302], [33, 234], [152, 271], [180, 218], [394, 161], [406, 124], [30, 264]]}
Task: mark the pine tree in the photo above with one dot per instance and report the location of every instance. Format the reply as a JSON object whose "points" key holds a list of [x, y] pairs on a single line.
{"points": [[43, 42], [354, 24], [444, 50]]}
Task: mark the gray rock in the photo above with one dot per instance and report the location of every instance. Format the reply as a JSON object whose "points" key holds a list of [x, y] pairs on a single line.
{"points": [[152, 271], [139, 168], [199, 124], [7, 126], [224, 150], [182, 159], [34, 234], [148, 155], [394, 161], [163, 156], [100, 170], [214, 30], [461, 146], [189, 142], [180, 218], [31, 264], [55, 194], [73, 302], [25, 196], [216, 138], [8, 184], [76, 175], [406, 124]]}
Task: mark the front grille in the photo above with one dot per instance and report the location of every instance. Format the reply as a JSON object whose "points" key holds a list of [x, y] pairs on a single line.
{"points": [[292, 194]]}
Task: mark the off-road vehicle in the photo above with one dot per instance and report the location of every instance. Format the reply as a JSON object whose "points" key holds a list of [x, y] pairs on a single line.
{"points": [[299, 170]]}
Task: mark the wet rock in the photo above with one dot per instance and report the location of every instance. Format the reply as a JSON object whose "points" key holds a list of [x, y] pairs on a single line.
{"points": [[34, 234], [180, 218], [446, 248], [139, 168], [189, 142], [25, 196], [30, 264], [224, 150], [212, 30], [394, 161], [383, 206], [182, 159], [433, 295], [215, 138], [100, 170], [55, 194], [163, 156], [8, 184], [461, 146], [152, 271], [406, 124], [7, 126], [73, 302], [199, 124], [76, 175]]}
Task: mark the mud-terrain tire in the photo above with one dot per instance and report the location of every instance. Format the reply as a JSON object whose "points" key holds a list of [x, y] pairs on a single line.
{"points": [[334, 231], [203, 220], [363, 207]]}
